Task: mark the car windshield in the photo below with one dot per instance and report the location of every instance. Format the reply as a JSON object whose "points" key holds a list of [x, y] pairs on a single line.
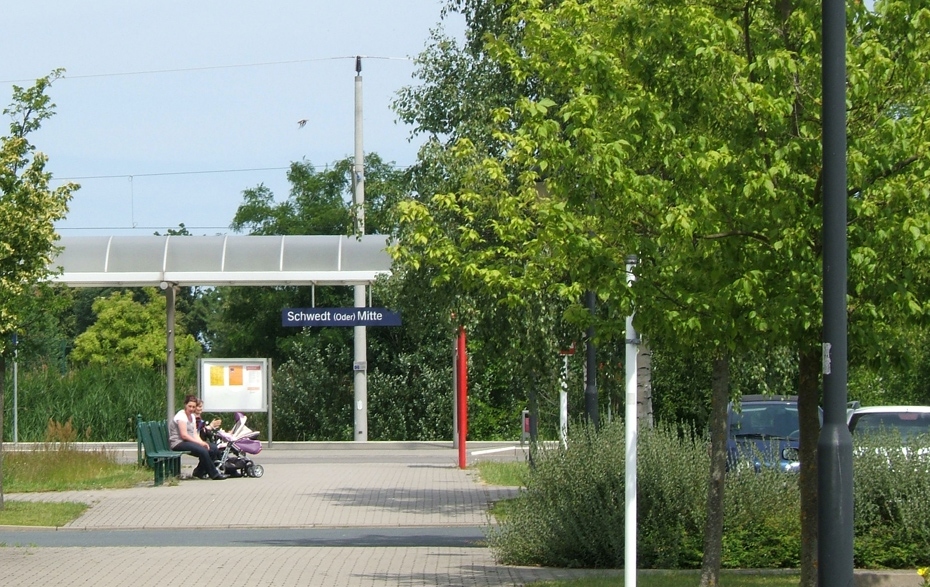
{"points": [[907, 424], [766, 420]]}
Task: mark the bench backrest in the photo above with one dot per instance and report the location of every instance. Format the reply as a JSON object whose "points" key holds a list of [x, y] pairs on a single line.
{"points": [[148, 440], [160, 433]]}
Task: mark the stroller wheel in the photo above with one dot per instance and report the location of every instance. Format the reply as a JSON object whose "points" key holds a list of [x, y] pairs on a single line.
{"points": [[256, 471]]}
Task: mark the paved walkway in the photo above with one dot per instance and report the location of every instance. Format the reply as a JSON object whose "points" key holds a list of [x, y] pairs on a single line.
{"points": [[357, 514], [323, 514]]}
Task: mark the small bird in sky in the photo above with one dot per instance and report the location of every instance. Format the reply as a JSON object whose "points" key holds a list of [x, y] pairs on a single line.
{"points": [[301, 123]]}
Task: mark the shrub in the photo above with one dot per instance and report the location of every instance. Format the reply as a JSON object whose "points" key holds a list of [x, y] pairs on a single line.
{"points": [[892, 505], [313, 400], [757, 536], [571, 511], [671, 497]]}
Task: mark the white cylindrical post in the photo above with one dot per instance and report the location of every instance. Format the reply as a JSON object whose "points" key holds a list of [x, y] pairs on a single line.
{"points": [[359, 161], [632, 433], [563, 403], [361, 372], [360, 334], [15, 392]]}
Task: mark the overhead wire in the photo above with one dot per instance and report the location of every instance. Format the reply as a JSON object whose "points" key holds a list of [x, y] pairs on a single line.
{"points": [[130, 176], [193, 172], [168, 173], [211, 67]]}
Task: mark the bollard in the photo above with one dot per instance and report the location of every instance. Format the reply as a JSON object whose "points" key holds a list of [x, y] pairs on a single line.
{"points": [[525, 435]]}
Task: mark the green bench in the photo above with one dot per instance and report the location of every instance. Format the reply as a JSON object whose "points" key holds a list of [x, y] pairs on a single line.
{"points": [[153, 449]]}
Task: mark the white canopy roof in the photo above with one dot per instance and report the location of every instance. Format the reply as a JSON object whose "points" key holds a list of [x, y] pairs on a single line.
{"points": [[133, 261]]}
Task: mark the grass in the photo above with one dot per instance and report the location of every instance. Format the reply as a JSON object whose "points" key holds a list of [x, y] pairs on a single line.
{"points": [[59, 466], [509, 474], [27, 513], [67, 470], [62, 469], [682, 579]]}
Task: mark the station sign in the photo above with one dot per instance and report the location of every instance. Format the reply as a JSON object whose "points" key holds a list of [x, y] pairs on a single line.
{"points": [[339, 317]]}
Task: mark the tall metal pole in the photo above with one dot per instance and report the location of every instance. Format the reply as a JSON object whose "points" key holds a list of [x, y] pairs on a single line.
{"points": [[631, 426], [834, 446], [462, 397], [360, 333], [455, 392], [170, 295], [563, 402], [590, 388], [15, 390]]}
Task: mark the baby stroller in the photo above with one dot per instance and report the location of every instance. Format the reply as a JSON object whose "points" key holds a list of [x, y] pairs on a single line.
{"points": [[236, 445]]}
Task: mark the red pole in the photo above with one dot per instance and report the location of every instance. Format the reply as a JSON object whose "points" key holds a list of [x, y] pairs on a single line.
{"points": [[462, 397]]}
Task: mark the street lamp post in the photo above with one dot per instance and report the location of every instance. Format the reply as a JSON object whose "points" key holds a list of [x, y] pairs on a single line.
{"points": [[834, 447]]}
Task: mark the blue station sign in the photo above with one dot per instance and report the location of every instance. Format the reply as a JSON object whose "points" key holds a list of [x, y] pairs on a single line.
{"points": [[339, 317]]}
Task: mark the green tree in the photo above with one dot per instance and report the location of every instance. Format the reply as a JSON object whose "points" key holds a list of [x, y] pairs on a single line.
{"points": [[514, 334], [248, 319], [690, 135], [28, 210], [132, 333], [460, 84]]}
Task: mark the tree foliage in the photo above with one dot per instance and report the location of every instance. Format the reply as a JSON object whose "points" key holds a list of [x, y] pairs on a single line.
{"points": [[29, 209], [689, 134], [28, 206], [132, 333], [248, 322]]}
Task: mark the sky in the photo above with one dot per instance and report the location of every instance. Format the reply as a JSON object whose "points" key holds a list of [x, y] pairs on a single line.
{"points": [[168, 110]]}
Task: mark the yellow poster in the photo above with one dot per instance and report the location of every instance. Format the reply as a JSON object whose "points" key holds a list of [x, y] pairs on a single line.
{"points": [[216, 376], [235, 375]]}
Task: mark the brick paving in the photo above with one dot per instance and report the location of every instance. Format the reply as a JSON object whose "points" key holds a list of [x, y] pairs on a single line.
{"points": [[306, 486]]}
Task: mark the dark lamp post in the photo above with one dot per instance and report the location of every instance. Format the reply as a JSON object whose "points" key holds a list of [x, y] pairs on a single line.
{"points": [[834, 447]]}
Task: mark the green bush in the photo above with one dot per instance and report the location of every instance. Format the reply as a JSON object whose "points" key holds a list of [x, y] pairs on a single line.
{"points": [[313, 392], [571, 511], [671, 496], [892, 505], [762, 536], [414, 406]]}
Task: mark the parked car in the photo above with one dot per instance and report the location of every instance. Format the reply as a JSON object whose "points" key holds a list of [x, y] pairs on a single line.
{"points": [[910, 425], [764, 431]]}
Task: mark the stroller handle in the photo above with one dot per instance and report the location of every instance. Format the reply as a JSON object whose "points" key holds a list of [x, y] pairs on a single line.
{"points": [[232, 436]]}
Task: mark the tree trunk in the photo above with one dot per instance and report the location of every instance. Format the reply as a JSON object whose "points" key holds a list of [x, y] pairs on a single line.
{"points": [[808, 413], [2, 391], [713, 529]]}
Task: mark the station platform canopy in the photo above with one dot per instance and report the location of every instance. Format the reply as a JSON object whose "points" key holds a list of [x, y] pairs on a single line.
{"points": [[136, 261]]}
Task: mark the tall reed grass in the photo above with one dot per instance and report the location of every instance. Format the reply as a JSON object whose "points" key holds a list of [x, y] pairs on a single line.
{"points": [[101, 402]]}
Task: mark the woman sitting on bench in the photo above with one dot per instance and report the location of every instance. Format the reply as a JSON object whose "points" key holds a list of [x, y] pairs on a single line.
{"points": [[182, 436]]}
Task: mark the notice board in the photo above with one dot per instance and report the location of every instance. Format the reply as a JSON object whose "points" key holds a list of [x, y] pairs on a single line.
{"points": [[234, 385]]}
